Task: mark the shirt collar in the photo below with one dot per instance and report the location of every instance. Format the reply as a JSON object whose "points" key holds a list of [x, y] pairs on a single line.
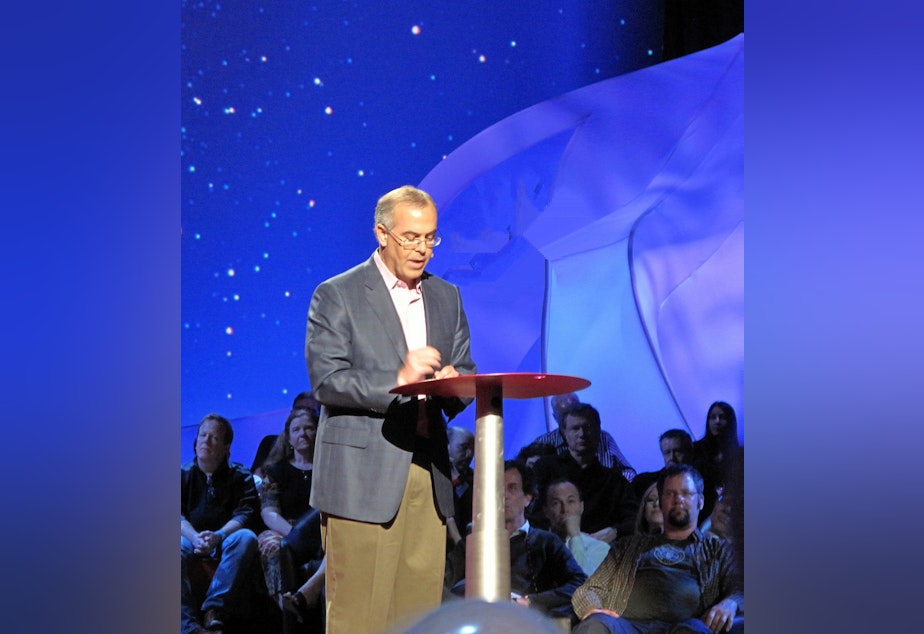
{"points": [[391, 281], [523, 530], [695, 536]]}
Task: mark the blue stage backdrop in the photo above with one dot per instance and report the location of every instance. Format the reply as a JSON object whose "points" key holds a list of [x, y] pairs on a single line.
{"points": [[591, 198]]}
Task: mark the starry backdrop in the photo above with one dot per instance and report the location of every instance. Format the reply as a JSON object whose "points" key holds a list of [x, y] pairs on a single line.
{"points": [[297, 116]]}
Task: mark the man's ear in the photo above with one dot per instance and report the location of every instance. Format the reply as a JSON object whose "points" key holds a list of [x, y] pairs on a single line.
{"points": [[702, 501], [381, 235]]}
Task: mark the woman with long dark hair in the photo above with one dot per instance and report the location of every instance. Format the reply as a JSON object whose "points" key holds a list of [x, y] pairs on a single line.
{"points": [[718, 449]]}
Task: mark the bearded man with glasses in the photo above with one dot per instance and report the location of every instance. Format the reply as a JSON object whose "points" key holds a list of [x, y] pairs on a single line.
{"points": [[680, 581]]}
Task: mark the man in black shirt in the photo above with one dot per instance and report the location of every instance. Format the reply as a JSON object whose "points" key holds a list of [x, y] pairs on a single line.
{"points": [[218, 500], [610, 504]]}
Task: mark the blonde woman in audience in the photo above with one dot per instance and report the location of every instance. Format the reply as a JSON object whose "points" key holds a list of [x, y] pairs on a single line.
{"points": [[650, 519]]}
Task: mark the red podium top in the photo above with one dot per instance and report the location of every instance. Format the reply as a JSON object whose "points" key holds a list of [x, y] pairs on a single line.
{"points": [[512, 385]]}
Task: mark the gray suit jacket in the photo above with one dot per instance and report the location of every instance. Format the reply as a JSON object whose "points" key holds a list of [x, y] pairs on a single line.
{"points": [[354, 347]]}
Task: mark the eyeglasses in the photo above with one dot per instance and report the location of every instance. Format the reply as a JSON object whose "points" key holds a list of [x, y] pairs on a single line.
{"points": [[683, 495], [408, 244]]}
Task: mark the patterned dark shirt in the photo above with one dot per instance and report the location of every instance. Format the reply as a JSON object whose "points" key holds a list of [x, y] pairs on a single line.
{"points": [[610, 586], [608, 452]]}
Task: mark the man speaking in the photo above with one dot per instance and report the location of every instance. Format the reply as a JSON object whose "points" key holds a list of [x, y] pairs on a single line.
{"points": [[382, 473]]}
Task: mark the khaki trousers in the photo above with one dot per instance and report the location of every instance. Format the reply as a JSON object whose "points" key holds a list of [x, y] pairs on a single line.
{"points": [[383, 576]]}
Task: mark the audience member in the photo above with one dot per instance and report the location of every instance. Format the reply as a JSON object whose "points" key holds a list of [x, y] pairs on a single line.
{"points": [[461, 452], [650, 519], [608, 452], [303, 400], [719, 522], [543, 573], [218, 502], [676, 448], [563, 508], [718, 449], [610, 504], [382, 474], [676, 581], [287, 542], [529, 454], [259, 458], [727, 519], [734, 494], [716, 455], [306, 400]]}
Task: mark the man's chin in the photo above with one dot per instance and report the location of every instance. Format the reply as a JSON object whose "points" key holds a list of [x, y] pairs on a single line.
{"points": [[681, 521]]}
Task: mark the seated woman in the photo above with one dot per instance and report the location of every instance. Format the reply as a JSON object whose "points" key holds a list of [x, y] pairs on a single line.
{"points": [[292, 538], [650, 519], [718, 450]]}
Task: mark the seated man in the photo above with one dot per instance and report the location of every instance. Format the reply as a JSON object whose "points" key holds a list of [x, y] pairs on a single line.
{"points": [[608, 451], [680, 581], [461, 452], [543, 574], [610, 504], [564, 507], [676, 448], [218, 500]]}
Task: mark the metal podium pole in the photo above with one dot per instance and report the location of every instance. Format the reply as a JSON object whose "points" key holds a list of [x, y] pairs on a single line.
{"points": [[487, 551], [487, 548]]}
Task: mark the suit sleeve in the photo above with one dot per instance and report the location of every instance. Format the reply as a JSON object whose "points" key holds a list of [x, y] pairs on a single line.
{"points": [[336, 378], [563, 576], [596, 591], [461, 358]]}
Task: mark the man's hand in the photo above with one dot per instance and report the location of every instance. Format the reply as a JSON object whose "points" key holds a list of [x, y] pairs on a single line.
{"points": [[419, 364], [205, 542], [446, 372], [720, 616], [519, 600], [572, 524], [607, 534]]}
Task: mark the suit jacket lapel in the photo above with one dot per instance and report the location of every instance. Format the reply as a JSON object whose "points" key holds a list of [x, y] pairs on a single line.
{"points": [[431, 311], [379, 300]]}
